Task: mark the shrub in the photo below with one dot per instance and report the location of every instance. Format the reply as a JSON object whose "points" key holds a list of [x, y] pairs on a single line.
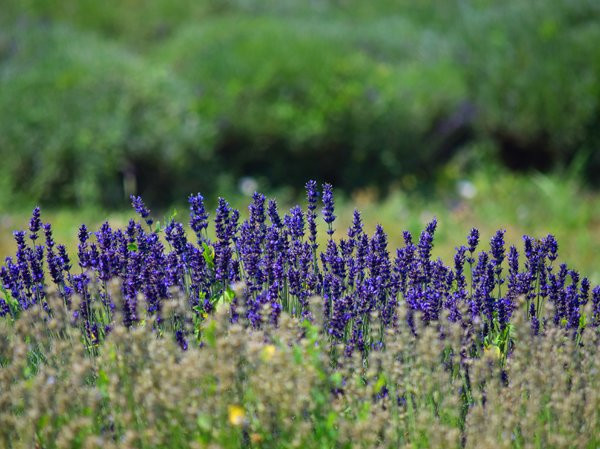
{"points": [[533, 72], [373, 91], [81, 120], [285, 93]]}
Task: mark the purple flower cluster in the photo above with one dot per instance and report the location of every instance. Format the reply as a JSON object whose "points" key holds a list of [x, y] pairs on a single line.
{"points": [[279, 265]]}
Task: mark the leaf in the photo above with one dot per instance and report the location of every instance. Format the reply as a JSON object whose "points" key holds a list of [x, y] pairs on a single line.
{"points": [[199, 309], [331, 420], [10, 300], [228, 295], [380, 383], [43, 421], [209, 255], [210, 334], [298, 359], [203, 422], [132, 247], [102, 382]]}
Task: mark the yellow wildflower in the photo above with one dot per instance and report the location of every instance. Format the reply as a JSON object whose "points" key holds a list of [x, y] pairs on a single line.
{"points": [[268, 352], [236, 415]]}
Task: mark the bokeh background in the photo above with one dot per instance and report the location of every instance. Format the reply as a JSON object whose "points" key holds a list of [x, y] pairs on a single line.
{"points": [[482, 113]]}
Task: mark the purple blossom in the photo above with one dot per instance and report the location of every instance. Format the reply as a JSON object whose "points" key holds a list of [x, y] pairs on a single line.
{"points": [[281, 270], [497, 250], [274, 214], [141, 209], [35, 224], [198, 215], [294, 222], [328, 208], [312, 195], [473, 240]]}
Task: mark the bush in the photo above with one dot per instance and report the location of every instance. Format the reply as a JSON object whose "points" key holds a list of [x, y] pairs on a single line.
{"points": [[81, 120], [533, 68], [285, 92], [123, 20], [354, 92]]}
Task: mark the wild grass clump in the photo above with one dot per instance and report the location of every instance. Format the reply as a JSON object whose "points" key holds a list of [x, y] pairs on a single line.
{"points": [[291, 385], [259, 338]]}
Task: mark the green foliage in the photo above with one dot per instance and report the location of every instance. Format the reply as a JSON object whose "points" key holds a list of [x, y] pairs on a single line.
{"points": [[123, 19], [187, 95], [81, 120], [533, 69], [286, 92]]}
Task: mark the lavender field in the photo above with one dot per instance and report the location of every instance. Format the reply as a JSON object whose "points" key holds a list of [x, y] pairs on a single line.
{"points": [[321, 224], [152, 337]]}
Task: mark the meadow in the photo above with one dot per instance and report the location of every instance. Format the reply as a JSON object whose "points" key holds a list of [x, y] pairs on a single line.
{"points": [[261, 333], [438, 287]]}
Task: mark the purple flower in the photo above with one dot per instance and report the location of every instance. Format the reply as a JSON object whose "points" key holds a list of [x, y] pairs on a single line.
{"points": [[473, 241], [328, 207], [551, 246], [225, 226], [497, 250], [596, 306], [257, 211], [198, 215], [35, 224], [584, 291], [312, 195], [357, 227], [431, 226], [48, 234], [281, 270], [274, 214], [141, 209], [294, 222], [175, 235], [180, 338]]}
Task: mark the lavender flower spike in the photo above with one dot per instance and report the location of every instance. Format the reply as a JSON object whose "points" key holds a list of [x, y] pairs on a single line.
{"points": [[141, 209], [35, 224], [198, 215], [328, 207], [473, 240]]}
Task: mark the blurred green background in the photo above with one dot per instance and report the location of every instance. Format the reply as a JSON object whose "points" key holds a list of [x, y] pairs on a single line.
{"points": [[481, 112]]}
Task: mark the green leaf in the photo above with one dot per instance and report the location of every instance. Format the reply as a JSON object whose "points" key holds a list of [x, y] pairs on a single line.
{"points": [[228, 295], [198, 309], [363, 411], [381, 381], [209, 255], [132, 247], [210, 334], [298, 359], [331, 420], [203, 422], [43, 421], [102, 382]]}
